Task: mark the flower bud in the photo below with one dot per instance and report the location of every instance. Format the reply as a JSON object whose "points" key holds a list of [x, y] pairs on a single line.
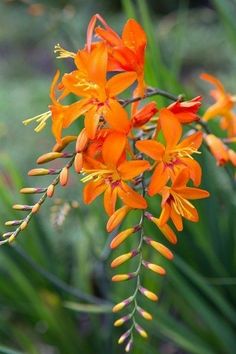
{"points": [[154, 267], [122, 277], [144, 313], [121, 237], [58, 147], [122, 320], [64, 175], [124, 336], [29, 190], [149, 294], [82, 141], [218, 149], [163, 250], [78, 162], [50, 190], [141, 331], [117, 217], [118, 307], [50, 156], [123, 258]]}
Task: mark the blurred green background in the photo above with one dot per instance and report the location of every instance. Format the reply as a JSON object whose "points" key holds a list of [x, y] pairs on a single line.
{"points": [[55, 289]]}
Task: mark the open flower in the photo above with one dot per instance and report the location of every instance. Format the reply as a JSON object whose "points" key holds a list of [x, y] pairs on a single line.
{"points": [[110, 177], [174, 155], [126, 53], [175, 203], [222, 107]]}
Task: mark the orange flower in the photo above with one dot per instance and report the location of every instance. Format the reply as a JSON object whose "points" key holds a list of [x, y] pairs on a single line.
{"points": [[98, 93], [174, 155], [223, 106], [186, 111], [110, 176], [126, 53], [175, 204]]}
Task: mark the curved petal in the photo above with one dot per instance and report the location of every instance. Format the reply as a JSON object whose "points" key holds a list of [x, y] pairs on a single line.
{"points": [[91, 122], [120, 82], [213, 80], [110, 197], [113, 148], [158, 179], [130, 197], [171, 128], [133, 36], [192, 193], [193, 140], [165, 214], [181, 179], [131, 169], [117, 117], [151, 148], [176, 218], [195, 170], [92, 190]]}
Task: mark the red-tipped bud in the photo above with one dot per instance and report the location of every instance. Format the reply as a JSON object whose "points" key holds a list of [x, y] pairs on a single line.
{"points": [[50, 190], [129, 345], [122, 277], [22, 207], [50, 156], [149, 294], [144, 313], [163, 250], [117, 217], [121, 237], [82, 141], [123, 258], [78, 162], [35, 208], [64, 176], [154, 267], [140, 331], [118, 307], [58, 147], [32, 190], [122, 320], [124, 336]]}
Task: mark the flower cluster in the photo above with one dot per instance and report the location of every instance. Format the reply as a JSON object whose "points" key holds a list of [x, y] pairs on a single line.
{"points": [[129, 150]]}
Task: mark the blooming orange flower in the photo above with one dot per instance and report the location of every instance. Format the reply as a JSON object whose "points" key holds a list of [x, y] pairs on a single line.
{"points": [[175, 204], [174, 155], [126, 53], [222, 107], [110, 177]]}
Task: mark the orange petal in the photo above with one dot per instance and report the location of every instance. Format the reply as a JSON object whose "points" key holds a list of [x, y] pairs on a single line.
{"points": [[158, 179], [176, 218], [131, 169], [166, 230], [151, 148], [117, 117], [192, 193], [117, 217], [120, 82], [74, 111], [113, 147], [97, 65], [193, 140], [133, 35], [110, 197], [217, 148], [165, 214], [213, 80], [171, 128], [181, 179], [131, 198], [92, 190], [195, 170], [91, 122]]}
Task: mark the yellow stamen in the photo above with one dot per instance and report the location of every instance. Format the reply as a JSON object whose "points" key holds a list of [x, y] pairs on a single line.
{"points": [[95, 174], [40, 119], [63, 53]]}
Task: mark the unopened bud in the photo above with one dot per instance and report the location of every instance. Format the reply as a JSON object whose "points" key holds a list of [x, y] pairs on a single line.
{"points": [[64, 175], [141, 331], [123, 258], [50, 190], [118, 307], [154, 267], [121, 237], [122, 277], [58, 147], [149, 294], [78, 162], [144, 313], [32, 190], [82, 141], [163, 250]]}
